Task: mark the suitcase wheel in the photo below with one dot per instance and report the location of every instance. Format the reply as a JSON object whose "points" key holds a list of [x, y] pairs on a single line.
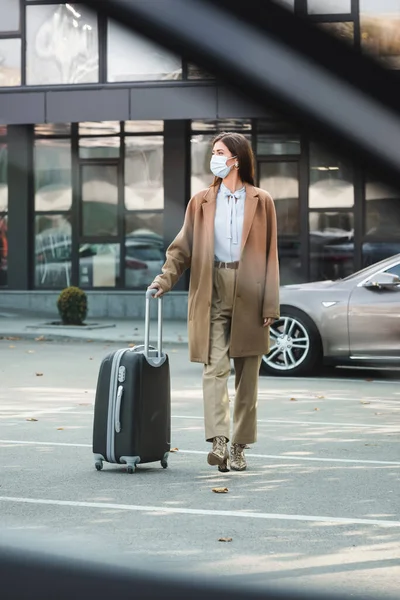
{"points": [[164, 461], [99, 465], [131, 469]]}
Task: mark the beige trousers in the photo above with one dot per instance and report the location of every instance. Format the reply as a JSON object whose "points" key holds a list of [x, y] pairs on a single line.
{"points": [[216, 373]]}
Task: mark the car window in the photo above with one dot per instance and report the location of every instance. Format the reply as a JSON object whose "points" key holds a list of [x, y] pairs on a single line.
{"points": [[395, 270], [144, 252]]}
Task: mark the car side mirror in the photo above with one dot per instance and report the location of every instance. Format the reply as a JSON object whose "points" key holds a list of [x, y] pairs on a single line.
{"points": [[383, 281]]}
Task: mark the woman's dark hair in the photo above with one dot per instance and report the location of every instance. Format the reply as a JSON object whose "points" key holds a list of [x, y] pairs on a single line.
{"points": [[238, 146]]}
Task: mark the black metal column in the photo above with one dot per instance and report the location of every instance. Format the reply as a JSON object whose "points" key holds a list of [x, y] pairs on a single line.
{"points": [[20, 206], [176, 179]]}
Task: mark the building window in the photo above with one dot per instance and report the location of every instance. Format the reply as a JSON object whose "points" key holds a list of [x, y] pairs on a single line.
{"points": [[10, 16], [380, 26], [10, 62], [3, 212], [382, 222], [131, 57], [144, 209], [62, 45], [343, 30], [10, 43], [53, 202], [331, 218], [326, 7]]}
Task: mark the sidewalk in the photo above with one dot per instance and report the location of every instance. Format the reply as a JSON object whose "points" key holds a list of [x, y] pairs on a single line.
{"points": [[124, 331]]}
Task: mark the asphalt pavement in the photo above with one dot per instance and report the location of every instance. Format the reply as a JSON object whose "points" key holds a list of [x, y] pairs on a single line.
{"points": [[317, 508]]}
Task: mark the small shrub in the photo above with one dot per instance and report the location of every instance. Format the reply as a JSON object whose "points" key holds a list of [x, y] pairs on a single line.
{"points": [[72, 306]]}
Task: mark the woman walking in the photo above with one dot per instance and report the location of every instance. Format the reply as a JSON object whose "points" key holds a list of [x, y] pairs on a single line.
{"points": [[229, 241]]}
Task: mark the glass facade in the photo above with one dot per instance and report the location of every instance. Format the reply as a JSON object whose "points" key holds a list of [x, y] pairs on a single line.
{"points": [[111, 203], [131, 57], [103, 210], [61, 45], [380, 30]]}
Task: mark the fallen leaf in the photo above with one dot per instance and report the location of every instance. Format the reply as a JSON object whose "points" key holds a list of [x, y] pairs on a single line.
{"points": [[31, 419], [364, 402], [223, 490], [39, 374], [12, 338], [316, 408], [40, 338], [60, 428], [131, 345], [174, 450], [88, 341], [320, 397], [293, 399], [225, 539]]}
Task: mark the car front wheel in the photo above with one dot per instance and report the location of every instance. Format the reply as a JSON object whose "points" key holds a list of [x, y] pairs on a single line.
{"points": [[295, 346]]}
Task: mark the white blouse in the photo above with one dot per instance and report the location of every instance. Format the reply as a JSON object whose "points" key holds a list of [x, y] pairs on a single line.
{"points": [[229, 215]]}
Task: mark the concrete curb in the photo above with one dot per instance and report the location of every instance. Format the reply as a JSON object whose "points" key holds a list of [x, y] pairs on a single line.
{"points": [[48, 336]]}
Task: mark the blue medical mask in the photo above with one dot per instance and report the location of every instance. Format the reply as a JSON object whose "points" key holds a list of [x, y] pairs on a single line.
{"points": [[219, 167]]}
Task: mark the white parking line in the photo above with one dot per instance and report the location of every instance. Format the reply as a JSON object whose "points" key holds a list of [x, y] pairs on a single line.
{"points": [[394, 428], [203, 452], [36, 413], [201, 512], [284, 421]]}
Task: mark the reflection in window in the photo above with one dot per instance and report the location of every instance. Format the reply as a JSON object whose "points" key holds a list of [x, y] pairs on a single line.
{"points": [[99, 265], [281, 180], [99, 200], [144, 173], [217, 125], [373, 252], [290, 269], [99, 128], [331, 245], [195, 72], [131, 57], [275, 143], [62, 44], [286, 3], [53, 129], [326, 7], [331, 180], [144, 249], [10, 63], [382, 211], [52, 166], [200, 160], [103, 147], [3, 215], [380, 30], [144, 126], [9, 11], [343, 31], [52, 251]]}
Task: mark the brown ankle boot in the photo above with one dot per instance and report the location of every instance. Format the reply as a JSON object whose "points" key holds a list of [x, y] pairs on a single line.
{"points": [[219, 453], [238, 460]]}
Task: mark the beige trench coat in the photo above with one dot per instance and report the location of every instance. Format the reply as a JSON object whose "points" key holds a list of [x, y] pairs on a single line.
{"points": [[257, 288]]}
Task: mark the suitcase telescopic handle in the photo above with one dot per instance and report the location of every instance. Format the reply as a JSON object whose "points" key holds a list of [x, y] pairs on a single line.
{"points": [[150, 294]]}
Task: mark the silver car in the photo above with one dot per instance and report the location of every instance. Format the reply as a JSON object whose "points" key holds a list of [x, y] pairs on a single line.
{"points": [[355, 320]]}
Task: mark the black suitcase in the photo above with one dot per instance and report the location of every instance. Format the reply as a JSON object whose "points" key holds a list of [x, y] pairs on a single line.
{"points": [[132, 413]]}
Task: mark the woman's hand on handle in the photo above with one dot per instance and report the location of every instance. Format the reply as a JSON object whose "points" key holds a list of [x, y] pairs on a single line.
{"points": [[268, 322], [155, 286]]}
